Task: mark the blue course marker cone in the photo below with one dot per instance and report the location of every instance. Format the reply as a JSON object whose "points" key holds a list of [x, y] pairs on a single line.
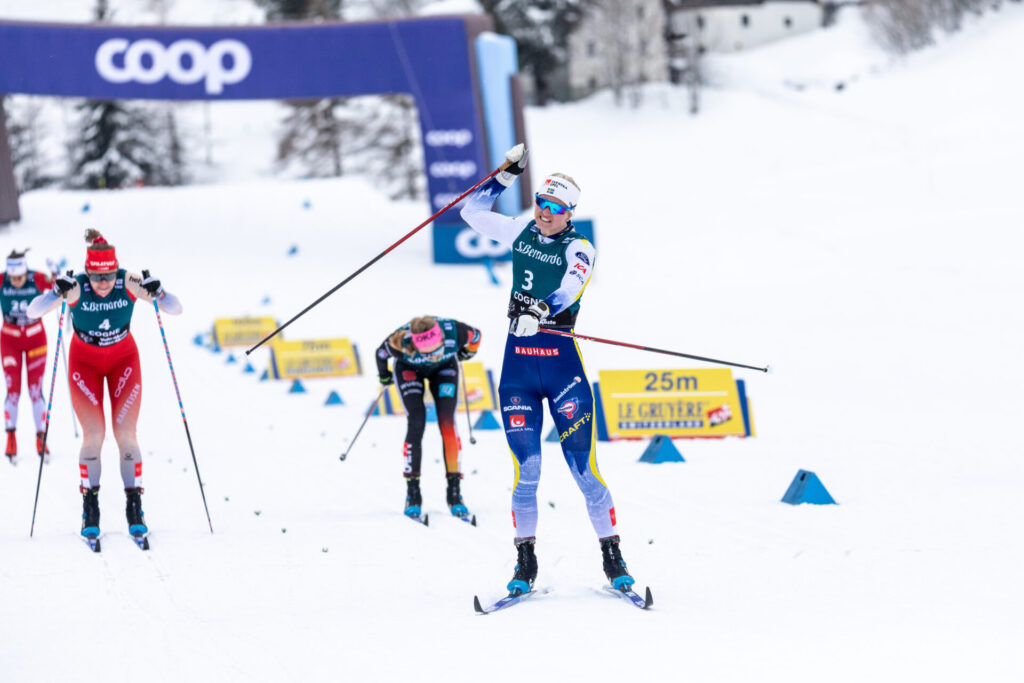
{"points": [[297, 387], [486, 421], [552, 435], [306, 204], [265, 301], [431, 413], [333, 399], [376, 409], [293, 250], [807, 488], [264, 376], [85, 207], [231, 358], [249, 368], [661, 449], [215, 347], [198, 340]]}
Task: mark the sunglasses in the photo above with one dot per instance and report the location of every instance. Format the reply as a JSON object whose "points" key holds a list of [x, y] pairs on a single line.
{"points": [[102, 277], [554, 207]]}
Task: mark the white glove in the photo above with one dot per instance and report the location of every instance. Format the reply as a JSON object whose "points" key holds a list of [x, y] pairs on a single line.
{"points": [[515, 160], [529, 322]]}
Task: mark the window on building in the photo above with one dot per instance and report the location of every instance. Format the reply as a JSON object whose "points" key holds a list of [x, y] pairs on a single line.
{"points": [[787, 22], [745, 20]]}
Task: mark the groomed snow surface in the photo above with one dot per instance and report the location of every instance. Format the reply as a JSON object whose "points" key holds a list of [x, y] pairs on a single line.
{"points": [[865, 242]]}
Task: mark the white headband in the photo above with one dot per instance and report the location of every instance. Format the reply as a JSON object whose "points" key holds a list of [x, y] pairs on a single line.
{"points": [[561, 189], [17, 266]]}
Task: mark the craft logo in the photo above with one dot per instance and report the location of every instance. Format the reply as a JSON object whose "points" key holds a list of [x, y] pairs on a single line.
{"points": [[535, 351], [516, 421], [719, 415], [185, 62], [569, 408]]}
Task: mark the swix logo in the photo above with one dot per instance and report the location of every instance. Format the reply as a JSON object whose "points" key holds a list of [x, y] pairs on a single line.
{"points": [[185, 62], [569, 408], [516, 421], [471, 245]]}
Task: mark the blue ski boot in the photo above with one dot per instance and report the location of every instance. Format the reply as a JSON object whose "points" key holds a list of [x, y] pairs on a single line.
{"points": [[614, 565], [454, 496], [133, 510], [91, 512], [413, 497], [526, 567]]}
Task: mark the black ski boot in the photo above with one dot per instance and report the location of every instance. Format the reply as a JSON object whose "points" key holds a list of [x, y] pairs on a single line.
{"points": [[614, 566], [413, 497], [526, 567], [454, 495], [91, 512], [133, 511]]}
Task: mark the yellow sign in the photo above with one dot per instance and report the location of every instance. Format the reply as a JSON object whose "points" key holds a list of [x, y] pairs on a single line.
{"points": [[479, 387], [676, 403], [313, 358], [241, 331]]}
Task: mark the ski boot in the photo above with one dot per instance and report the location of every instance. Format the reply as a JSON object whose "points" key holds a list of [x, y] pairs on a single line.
{"points": [[526, 567], [91, 512], [133, 511], [12, 447], [41, 448], [455, 503], [614, 565], [413, 497]]}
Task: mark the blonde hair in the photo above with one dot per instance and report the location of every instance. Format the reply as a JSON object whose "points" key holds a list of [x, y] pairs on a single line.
{"points": [[400, 341], [568, 178]]}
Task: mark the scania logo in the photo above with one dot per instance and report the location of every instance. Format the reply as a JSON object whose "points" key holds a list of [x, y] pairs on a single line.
{"points": [[184, 61], [472, 245]]}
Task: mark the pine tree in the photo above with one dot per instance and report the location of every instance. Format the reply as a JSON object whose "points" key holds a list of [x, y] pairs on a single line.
{"points": [[541, 29], [116, 147], [25, 130]]}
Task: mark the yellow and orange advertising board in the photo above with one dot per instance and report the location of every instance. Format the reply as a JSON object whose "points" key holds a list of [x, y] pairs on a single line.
{"points": [[677, 403], [241, 331], [479, 388], [313, 358]]}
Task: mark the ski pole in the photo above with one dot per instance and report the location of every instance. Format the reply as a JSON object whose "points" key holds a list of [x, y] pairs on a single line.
{"points": [[369, 412], [188, 435], [561, 333], [49, 406], [74, 418], [378, 257], [465, 397]]}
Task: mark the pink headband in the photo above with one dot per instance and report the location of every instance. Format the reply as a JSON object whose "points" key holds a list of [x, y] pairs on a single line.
{"points": [[429, 340]]}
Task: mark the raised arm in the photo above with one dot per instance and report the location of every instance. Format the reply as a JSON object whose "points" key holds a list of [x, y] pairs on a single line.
{"points": [[477, 209], [63, 286]]}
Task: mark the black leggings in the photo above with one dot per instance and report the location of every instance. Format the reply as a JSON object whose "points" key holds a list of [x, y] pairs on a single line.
{"points": [[444, 381]]}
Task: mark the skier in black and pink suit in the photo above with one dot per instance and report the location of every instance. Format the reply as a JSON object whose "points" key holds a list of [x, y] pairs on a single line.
{"points": [[22, 341], [102, 350]]}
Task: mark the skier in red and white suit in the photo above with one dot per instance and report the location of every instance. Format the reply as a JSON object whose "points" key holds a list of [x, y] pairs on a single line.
{"points": [[101, 301], [22, 342]]}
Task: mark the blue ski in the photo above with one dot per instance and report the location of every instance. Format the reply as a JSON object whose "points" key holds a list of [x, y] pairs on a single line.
{"points": [[506, 601], [93, 542], [424, 520], [633, 597], [141, 540]]}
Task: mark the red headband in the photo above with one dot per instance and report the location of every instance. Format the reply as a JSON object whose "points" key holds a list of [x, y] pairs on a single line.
{"points": [[100, 260]]}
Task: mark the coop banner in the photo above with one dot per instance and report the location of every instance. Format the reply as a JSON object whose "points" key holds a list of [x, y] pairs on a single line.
{"points": [[313, 358], [676, 403], [479, 389], [241, 331]]}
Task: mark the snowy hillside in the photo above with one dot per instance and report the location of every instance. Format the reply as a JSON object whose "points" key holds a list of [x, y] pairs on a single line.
{"points": [[863, 241]]}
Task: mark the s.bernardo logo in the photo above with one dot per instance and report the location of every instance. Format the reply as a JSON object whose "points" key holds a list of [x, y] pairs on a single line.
{"points": [[185, 62]]}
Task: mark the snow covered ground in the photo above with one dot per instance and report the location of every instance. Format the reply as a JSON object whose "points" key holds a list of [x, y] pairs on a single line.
{"points": [[865, 242]]}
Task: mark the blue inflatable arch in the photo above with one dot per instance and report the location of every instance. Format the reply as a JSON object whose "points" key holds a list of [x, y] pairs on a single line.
{"points": [[462, 78]]}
